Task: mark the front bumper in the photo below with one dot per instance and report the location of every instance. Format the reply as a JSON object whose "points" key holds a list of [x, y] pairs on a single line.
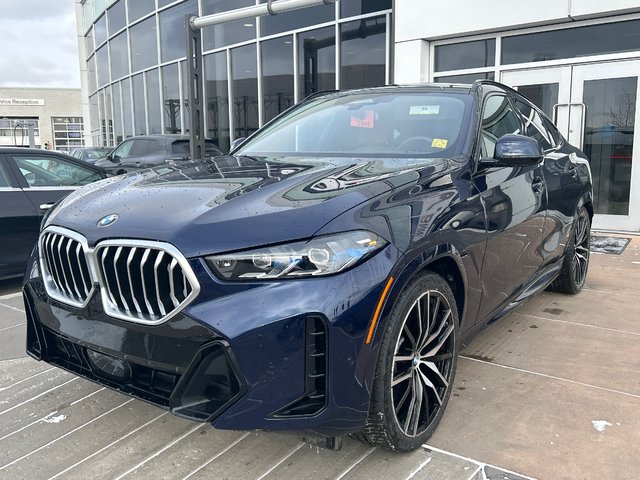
{"points": [[272, 356]]}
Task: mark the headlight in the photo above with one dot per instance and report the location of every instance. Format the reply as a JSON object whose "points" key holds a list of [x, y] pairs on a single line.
{"points": [[318, 256]]}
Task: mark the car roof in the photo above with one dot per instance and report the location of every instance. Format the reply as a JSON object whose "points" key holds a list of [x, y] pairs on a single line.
{"points": [[455, 88], [31, 150], [414, 88]]}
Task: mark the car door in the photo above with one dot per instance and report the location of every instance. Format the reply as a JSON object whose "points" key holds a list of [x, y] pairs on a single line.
{"points": [[561, 178], [46, 178], [19, 223], [121, 157], [515, 203]]}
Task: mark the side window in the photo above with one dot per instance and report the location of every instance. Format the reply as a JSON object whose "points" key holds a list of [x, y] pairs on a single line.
{"points": [[139, 148], [47, 171], [498, 119], [4, 181], [154, 146], [123, 151], [534, 126]]}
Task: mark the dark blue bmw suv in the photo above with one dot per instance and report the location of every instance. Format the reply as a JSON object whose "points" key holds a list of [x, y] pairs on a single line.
{"points": [[325, 274]]}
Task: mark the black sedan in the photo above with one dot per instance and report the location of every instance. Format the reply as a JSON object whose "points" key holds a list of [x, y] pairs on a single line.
{"points": [[31, 182], [146, 151], [325, 274]]}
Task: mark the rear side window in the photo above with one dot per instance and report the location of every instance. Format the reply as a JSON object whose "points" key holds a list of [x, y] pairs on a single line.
{"points": [[534, 126], [181, 147]]}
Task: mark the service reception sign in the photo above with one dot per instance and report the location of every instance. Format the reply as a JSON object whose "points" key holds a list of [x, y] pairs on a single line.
{"points": [[21, 102]]}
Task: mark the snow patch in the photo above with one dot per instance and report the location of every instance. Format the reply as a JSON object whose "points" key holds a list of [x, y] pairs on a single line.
{"points": [[58, 419], [600, 425]]}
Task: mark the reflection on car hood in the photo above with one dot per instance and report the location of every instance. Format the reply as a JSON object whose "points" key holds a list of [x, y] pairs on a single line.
{"points": [[231, 203]]}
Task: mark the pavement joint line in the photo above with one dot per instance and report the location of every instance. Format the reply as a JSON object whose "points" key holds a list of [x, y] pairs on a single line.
{"points": [[2, 389], [10, 295], [419, 469], [38, 396], [358, 462], [12, 307], [63, 436], [233, 444], [108, 446], [475, 472], [87, 396], [48, 415], [281, 461], [12, 326], [579, 324], [481, 465], [166, 447], [553, 377]]}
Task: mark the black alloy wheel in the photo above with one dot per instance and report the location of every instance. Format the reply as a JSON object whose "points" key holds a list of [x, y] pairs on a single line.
{"points": [[575, 264], [581, 241], [416, 366]]}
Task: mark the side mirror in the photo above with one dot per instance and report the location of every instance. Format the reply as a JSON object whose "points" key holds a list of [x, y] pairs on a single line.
{"points": [[237, 142], [515, 151]]}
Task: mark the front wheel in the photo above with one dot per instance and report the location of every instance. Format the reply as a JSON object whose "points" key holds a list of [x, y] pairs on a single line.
{"points": [[576, 258], [416, 366]]}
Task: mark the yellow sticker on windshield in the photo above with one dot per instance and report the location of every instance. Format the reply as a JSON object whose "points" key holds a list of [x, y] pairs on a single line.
{"points": [[439, 143]]}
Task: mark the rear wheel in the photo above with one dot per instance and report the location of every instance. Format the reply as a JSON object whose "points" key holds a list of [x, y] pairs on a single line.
{"points": [[416, 366], [576, 258]]}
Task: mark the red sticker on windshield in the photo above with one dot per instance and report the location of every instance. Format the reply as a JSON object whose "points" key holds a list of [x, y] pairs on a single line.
{"points": [[366, 122]]}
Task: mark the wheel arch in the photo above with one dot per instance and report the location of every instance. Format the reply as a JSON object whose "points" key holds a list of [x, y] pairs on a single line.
{"points": [[444, 260]]}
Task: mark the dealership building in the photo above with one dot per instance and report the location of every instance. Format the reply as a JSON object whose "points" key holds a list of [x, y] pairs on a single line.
{"points": [[578, 60], [54, 116]]}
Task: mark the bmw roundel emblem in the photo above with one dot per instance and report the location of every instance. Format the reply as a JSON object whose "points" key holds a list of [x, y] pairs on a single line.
{"points": [[108, 220]]}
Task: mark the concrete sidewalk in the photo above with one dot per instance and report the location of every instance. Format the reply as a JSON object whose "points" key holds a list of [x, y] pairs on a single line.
{"points": [[552, 391]]}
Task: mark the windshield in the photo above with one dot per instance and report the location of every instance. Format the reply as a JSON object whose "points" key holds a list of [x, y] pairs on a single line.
{"points": [[96, 153], [398, 124]]}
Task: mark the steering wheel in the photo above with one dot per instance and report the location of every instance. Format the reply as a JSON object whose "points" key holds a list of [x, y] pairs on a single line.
{"points": [[413, 144]]}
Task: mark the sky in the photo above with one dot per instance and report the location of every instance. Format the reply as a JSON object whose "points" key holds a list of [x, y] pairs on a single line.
{"points": [[39, 44]]}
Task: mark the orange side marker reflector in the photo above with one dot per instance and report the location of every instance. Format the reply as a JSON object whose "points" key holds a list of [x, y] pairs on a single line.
{"points": [[376, 315]]}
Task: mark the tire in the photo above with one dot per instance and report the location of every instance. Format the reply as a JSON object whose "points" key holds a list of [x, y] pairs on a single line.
{"points": [[402, 416], [575, 264]]}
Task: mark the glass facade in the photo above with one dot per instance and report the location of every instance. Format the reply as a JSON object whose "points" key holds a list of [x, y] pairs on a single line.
{"points": [[316, 60], [254, 69]]}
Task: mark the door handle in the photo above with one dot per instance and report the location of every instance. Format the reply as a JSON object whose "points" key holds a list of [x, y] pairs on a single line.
{"points": [[46, 206], [537, 185]]}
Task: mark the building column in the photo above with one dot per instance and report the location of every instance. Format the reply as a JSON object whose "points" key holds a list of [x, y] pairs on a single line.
{"points": [[411, 62]]}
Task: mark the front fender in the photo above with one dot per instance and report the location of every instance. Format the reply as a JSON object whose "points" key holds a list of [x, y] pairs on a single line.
{"points": [[406, 269]]}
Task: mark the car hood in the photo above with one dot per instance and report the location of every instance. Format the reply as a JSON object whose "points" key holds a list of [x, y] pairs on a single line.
{"points": [[231, 203]]}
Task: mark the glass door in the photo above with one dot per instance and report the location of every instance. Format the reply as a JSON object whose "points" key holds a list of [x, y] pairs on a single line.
{"points": [[548, 88], [606, 133], [595, 108]]}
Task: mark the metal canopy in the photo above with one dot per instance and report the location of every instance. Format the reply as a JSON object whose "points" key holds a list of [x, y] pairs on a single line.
{"points": [[194, 57]]}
